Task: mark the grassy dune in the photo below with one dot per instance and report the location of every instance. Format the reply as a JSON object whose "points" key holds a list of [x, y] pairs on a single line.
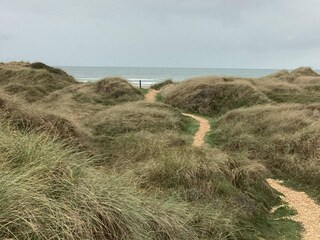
{"points": [[32, 81], [108, 91], [217, 95], [286, 137], [85, 99], [94, 161], [212, 95], [136, 116], [49, 191], [26, 118]]}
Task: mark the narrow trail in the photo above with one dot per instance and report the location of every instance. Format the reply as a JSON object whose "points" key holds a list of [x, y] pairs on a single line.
{"points": [[151, 95], [204, 125], [308, 211], [204, 128]]}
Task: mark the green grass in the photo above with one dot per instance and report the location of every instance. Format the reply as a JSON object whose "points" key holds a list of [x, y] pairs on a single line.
{"points": [[285, 138], [191, 126], [144, 91], [312, 191], [159, 98], [211, 137], [277, 226]]}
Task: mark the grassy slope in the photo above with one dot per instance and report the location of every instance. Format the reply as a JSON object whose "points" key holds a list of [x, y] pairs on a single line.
{"points": [[285, 137], [186, 202], [44, 185], [217, 95], [265, 225], [32, 81], [136, 116], [212, 95], [275, 225], [146, 183], [155, 165], [83, 100], [24, 117]]}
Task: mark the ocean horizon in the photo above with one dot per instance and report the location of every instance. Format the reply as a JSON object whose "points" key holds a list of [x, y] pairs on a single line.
{"points": [[151, 75]]}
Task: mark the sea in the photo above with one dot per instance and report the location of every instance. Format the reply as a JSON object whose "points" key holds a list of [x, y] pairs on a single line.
{"points": [[151, 75]]}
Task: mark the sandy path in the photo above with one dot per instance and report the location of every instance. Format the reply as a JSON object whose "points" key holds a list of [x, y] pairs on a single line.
{"points": [[204, 128], [204, 125], [151, 95], [308, 211]]}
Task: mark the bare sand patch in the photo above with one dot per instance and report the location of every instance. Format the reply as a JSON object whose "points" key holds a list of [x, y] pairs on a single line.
{"points": [[308, 211], [151, 95], [204, 128]]}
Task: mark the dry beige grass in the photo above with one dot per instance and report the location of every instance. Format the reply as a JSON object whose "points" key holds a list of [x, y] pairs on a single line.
{"points": [[27, 118], [150, 184], [62, 102], [134, 117], [81, 101], [108, 91], [285, 136], [213, 95], [32, 81], [299, 86], [50, 192], [216, 95]]}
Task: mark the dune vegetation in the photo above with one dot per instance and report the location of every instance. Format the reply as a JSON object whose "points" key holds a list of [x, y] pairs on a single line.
{"points": [[216, 95], [95, 161], [285, 137], [49, 191], [135, 117], [25, 118], [158, 86], [32, 81], [79, 101], [213, 95]]}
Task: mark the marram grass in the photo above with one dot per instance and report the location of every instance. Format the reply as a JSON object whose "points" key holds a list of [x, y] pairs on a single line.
{"points": [[50, 192]]}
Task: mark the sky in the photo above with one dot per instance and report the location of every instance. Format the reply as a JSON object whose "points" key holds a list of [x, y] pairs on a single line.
{"points": [[163, 33]]}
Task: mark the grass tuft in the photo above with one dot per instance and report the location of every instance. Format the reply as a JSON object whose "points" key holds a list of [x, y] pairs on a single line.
{"points": [[160, 85]]}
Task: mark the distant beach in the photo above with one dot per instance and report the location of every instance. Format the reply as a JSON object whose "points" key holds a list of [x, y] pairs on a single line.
{"points": [[149, 76]]}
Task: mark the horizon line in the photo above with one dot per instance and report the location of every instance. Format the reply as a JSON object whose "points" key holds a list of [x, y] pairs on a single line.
{"points": [[238, 68]]}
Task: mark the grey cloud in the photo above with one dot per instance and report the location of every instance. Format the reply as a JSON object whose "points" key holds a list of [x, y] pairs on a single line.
{"points": [[206, 33], [5, 37]]}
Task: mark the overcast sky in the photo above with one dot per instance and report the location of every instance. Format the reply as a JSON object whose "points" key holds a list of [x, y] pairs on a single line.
{"points": [[162, 33]]}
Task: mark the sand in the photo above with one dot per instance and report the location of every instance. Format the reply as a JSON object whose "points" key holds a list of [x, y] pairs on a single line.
{"points": [[308, 211], [204, 128], [151, 95]]}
